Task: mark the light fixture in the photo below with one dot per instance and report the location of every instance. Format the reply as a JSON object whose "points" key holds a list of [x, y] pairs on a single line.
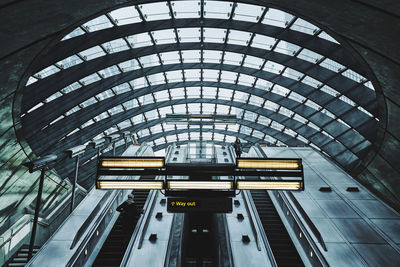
{"points": [[209, 185], [270, 185], [130, 185], [132, 162], [276, 164]]}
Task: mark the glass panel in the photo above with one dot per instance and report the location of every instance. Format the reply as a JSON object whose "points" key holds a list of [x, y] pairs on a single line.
{"points": [[225, 94], [149, 61], [263, 84], [304, 26], [104, 95], [164, 36], [293, 74], [217, 9], [331, 65], [155, 11], [191, 56], [233, 58], [69, 62], [213, 35], [129, 65], [115, 46], [228, 76], [246, 80], [139, 40], [193, 92], [125, 15], [192, 74], [186, 9], [189, 35], [174, 76], [326, 36], [115, 110], [212, 56], [273, 67], [239, 37], [110, 71], [287, 48], [139, 83], [122, 88], [311, 81], [91, 53], [78, 31], [177, 93], [263, 42], [88, 102], [71, 87], [97, 24], [170, 57], [157, 78], [247, 12], [309, 55], [210, 75], [90, 79], [209, 92], [52, 97], [354, 76], [50, 70], [253, 62], [277, 18]]}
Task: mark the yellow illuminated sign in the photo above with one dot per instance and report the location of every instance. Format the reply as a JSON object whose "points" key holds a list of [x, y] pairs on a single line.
{"points": [[280, 164], [132, 162], [270, 185], [130, 185]]}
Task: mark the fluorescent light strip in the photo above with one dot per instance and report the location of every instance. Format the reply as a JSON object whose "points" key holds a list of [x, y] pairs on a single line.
{"points": [[130, 185], [132, 163], [268, 164], [269, 185], [200, 185]]}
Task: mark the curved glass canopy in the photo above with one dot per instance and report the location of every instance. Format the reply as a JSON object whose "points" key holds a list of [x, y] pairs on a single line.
{"points": [[287, 81]]}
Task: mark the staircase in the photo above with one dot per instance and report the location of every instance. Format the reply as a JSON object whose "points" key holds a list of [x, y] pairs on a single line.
{"points": [[20, 258]]}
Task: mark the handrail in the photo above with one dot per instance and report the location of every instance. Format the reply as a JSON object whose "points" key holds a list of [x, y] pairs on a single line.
{"points": [[89, 219], [147, 219], [228, 240], [308, 220], [253, 227]]}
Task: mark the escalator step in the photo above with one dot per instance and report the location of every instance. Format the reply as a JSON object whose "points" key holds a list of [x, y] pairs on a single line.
{"points": [[281, 244]]}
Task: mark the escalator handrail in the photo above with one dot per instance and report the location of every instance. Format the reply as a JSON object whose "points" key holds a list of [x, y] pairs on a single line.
{"points": [[147, 217]]}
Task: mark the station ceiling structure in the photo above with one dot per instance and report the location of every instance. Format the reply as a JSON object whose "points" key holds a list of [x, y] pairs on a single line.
{"points": [[293, 74]]}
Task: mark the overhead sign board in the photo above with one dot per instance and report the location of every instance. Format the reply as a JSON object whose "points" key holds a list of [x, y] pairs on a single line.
{"points": [[213, 205]]}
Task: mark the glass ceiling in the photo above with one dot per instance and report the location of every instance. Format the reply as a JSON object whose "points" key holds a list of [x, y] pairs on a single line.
{"points": [[287, 81]]}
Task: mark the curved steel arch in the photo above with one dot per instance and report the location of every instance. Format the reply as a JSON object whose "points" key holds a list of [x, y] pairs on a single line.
{"points": [[58, 129], [79, 43], [282, 137], [95, 109], [153, 137], [315, 136], [357, 92]]}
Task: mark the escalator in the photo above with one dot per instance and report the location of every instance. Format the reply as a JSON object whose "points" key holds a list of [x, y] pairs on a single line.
{"points": [[281, 244], [114, 247]]}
